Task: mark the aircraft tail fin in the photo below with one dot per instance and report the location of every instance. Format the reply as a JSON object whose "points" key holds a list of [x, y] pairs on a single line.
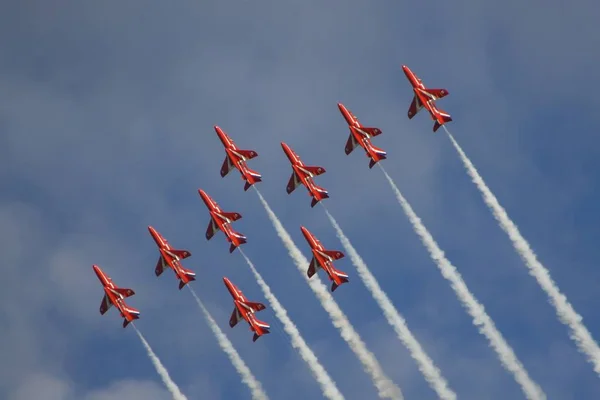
{"points": [[256, 335], [376, 155], [189, 276], [251, 177], [234, 244], [132, 314], [441, 119], [334, 285], [342, 278], [319, 194]]}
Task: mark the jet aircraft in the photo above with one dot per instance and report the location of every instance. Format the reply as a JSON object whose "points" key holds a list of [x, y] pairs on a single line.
{"points": [[220, 220], [245, 309], [114, 295], [361, 135], [323, 259], [170, 257], [303, 174], [425, 97], [236, 158]]}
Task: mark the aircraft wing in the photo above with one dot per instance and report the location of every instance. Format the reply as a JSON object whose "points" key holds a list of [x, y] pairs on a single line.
{"points": [[226, 167], [350, 144], [312, 268], [105, 305], [212, 229], [336, 255], [235, 317], [437, 93], [255, 306], [415, 107], [247, 154], [160, 266], [293, 183], [314, 170]]}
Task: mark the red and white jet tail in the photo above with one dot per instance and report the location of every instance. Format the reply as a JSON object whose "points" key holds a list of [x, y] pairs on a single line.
{"points": [[252, 177], [441, 118], [237, 240], [263, 329], [130, 314], [318, 195], [341, 278], [376, 154], [189, 276]]}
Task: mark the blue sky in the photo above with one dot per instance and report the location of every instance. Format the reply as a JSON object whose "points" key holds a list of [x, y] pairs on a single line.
{"points": [[106, 115]]}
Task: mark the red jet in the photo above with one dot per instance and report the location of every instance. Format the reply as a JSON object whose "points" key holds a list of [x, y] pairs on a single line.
{"points": [[170, 257], [360, 135], [245, 309], [303, 174], [237, 158], [425, 98], [324, 259], [220, 220], [115, 295]]}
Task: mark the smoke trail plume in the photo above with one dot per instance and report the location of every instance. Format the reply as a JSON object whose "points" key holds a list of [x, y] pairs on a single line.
{"points": [[162, 371], [385, 387], [567, 315], [248, 378], [426, 365], [327, 384], [480, 318]]}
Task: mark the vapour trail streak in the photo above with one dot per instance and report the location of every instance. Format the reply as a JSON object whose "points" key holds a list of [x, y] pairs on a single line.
{"points": [[564, 310], [162, 371], [248, 378], [430, 371], [385, 387], [480, 318], [328, 386]]}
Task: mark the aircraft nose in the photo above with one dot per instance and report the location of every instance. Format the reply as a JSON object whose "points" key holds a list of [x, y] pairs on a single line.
{"points": [[97, 271]]}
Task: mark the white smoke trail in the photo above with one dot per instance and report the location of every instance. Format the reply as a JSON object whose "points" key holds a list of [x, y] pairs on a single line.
{"points": [[385, 387], [248, 378], [426, 365], [567, 315], [328, 386], [162, 371], [480, 318]]}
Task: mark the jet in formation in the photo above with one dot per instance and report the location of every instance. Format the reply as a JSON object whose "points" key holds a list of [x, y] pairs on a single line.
{"points": [[425, 97], [361, 135], [236, 158], [114, 295], [245, 309], [220, 220], [303, 174], [323, 259], [170, 257]]}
